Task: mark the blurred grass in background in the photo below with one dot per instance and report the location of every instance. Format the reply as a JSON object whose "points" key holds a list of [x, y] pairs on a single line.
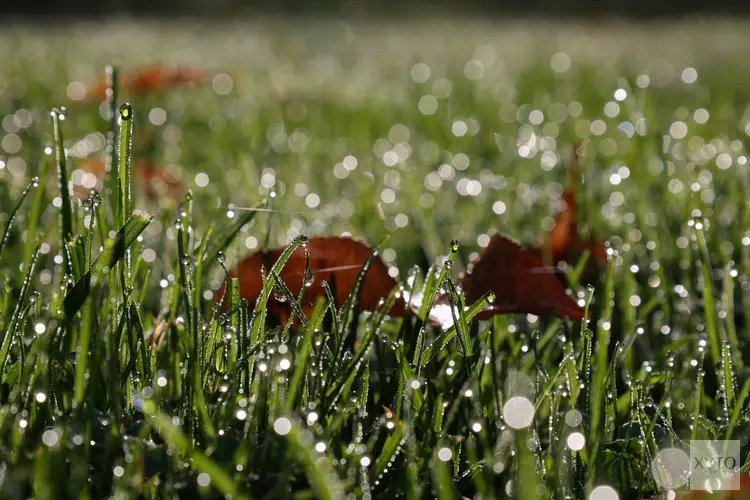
{"points": [[424, 133]]}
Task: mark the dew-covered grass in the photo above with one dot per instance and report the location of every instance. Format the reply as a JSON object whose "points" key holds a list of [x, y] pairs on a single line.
{"points": [[122, 378]]}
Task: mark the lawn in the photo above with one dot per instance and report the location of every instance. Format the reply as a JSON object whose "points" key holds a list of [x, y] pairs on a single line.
{"points": [[122, 377]]}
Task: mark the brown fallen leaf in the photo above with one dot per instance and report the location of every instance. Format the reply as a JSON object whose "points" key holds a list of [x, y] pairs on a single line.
{"points": [[148, 80], [520, 281], [564, 244], [334, 259]]}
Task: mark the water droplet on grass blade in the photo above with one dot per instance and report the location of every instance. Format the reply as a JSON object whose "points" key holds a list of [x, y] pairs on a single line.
{"points": [[126, 111], [309, 277], [278, 294]]}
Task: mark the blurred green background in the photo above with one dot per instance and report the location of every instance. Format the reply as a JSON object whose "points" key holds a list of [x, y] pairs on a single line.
{"points": [[438, 129]]}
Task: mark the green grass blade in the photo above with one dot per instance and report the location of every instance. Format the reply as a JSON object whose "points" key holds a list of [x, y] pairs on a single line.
{"points": [[33, 184], [66, 210], [174, 437], [14, 323], [229, 233], [126, 236]]}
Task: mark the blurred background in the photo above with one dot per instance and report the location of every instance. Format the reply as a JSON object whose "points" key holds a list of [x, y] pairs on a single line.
{"points": [[422, 121], [383, 10]]}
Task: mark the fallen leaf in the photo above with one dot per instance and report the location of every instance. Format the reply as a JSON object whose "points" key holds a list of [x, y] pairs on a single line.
{"points": [[520, 281], [564, 244], [336, 260], [148, 80]]}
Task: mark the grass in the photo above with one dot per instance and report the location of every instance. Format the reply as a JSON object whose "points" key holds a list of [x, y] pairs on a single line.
{"points": [[122, 378]]}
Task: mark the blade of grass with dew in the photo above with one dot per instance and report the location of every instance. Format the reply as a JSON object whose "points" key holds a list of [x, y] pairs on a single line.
{"points": [[260, 311], [348, 311], [598, 376], [10, 332], [527, 478], [738, 409], [407, 376], [290, 298], [174, 437], [728, 385], [574, 275], [388, 451], [709, 305], [66, 229], [229, 234], [435, 281], [195, 403], [727, 299], [697, 402], [112, 171], [441, 474], [200, 265], [233, 309], [126, 236], [447, 335], [325, 482], [139, 347], [84, 347], [301, 361], [33, 219], [348, 372], [33, 184], [335, 327], [459, 318], [124, 191]]}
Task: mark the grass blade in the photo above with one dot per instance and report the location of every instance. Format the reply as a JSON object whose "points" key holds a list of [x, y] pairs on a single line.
{"points": [[174, 437], [33, 184], [66, 210]]}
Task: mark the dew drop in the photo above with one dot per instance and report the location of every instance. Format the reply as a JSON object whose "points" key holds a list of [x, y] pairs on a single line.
{"points": [[455, 245], [126, 111], [278, 294], [309, 277]]}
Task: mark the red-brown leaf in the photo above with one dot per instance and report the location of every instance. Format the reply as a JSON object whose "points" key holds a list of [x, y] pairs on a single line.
{"points": [[520, 281], [564, 243], [334, 259], [148, 80]]}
